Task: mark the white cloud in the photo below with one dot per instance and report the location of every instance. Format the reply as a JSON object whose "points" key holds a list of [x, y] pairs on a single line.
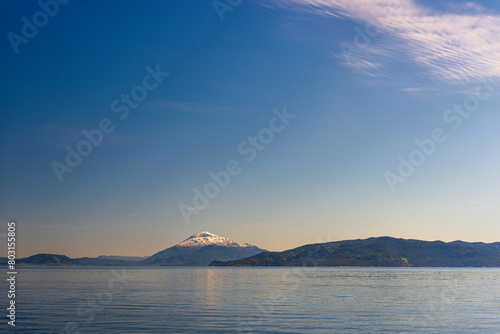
{"points": [[460, 45], [414, 91], [478, 203]]}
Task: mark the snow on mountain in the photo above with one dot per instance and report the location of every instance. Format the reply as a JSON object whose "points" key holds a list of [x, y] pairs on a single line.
{"points": [[205, 238]]}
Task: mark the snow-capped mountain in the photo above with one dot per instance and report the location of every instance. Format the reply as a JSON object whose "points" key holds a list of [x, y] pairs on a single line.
{"points": [[203, 239], [203, 248]]}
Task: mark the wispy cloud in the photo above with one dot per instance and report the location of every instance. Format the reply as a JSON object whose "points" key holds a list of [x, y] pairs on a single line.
{"points": [[478, 203], [415, 91], [460, 45]]}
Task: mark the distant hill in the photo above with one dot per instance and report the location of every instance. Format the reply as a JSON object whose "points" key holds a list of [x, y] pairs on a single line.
{"points": [[63, 260], [125, 258], [380, 252], [201, 249], [43, 259]]}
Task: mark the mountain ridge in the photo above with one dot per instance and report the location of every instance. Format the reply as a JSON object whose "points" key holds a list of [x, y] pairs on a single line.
{"points": [[380, 252], [376, 251]]}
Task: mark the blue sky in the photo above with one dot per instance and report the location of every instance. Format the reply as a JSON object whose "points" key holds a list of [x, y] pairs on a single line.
{"points": [[323, 177]]}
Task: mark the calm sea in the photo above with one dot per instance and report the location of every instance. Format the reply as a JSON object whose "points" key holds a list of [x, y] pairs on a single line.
{"points": [[256, 300]]}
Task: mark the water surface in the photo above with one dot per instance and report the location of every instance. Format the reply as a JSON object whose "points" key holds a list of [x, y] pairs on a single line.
{"points": [[257, 300]]}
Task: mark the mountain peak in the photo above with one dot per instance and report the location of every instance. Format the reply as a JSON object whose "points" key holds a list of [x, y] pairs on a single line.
{"points": [[203, 234], [205, 238]]}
